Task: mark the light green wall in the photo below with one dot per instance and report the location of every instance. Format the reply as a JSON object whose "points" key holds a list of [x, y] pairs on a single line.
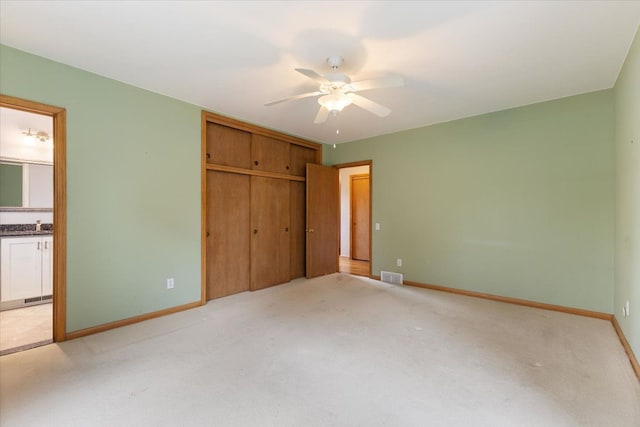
{"points": [[627, 247], [133, 189], [517, 203]]}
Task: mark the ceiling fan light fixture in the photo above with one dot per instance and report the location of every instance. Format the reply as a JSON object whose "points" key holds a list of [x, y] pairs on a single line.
{"points": [[334, 101], [336, 91]]}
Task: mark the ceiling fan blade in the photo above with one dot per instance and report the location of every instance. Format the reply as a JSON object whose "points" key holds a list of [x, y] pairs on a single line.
{"points": [[312, 75], [369, 105], [291, 98], [389, 81], [322, 115]]}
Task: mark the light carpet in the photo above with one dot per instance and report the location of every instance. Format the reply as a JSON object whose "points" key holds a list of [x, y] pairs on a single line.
{"points": [[333, 351]]}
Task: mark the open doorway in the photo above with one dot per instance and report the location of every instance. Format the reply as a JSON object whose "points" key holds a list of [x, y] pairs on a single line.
{"points": [[355, 218], [32, 202]]}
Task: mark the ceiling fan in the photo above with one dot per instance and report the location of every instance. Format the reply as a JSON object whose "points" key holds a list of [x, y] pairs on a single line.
{"points": [[338, 91]]}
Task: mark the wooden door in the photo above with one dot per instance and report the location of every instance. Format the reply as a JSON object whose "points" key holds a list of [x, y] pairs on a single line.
{"points": [[298, 223], [228, 146], [228, 238], [270, 237], [270, 155], [322, 220], [360, 217], [300, 156]]}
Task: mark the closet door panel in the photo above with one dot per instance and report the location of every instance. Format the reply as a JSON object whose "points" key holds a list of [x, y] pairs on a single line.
{"points": [[300, 156], [298, 223], [228, 240], [270, 237], [228, 147], [270, 155]]}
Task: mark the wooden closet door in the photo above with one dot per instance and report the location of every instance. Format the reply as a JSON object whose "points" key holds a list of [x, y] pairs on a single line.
{"points": [[270, 155], [228, 239], [228, 146], [298, 224], [300, 156], [270, 237]]}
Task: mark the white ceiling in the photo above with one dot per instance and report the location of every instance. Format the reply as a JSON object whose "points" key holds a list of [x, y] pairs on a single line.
{"points": [[458, 59]]}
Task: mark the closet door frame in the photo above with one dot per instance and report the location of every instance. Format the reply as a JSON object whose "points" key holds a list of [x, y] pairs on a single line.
{"points": [[207, 117]]}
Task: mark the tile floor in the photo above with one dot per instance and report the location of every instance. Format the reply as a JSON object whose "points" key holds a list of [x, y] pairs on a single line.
{"points": [[23, 328]]}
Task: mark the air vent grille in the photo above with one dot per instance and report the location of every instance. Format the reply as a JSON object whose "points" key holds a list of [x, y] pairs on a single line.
{"points": [[390, 277]]}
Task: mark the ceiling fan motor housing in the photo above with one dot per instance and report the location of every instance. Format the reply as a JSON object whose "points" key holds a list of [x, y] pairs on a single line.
{"points": [[335, 61], [337, 80]]}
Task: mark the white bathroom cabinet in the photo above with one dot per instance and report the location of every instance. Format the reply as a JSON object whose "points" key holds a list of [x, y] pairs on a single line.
{"points": [[27, 267]]}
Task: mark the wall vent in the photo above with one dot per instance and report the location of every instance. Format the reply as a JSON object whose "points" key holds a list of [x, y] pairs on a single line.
{"points": [[34, 299], [390, 277]]}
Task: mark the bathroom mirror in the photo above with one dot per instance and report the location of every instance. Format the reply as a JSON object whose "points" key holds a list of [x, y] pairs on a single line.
{"points": [[26, 186]]}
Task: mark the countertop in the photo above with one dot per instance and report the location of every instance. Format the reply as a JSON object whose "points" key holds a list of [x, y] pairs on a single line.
{"points": [[19, 230], [25, 233]]}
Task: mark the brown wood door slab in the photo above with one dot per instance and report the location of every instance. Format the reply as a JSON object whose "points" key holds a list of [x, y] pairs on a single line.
{"points": [[228, 240], [322, 220], [228, 147], [300, 156], [270, 155], [360, 222], [298, 220], [270, 237]]}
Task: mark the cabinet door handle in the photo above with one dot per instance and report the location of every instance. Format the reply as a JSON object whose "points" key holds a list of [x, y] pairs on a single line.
{"points": [[46, 245], [255, 231], [286, 229], [38, 246], [208, 155], [256, 163]]}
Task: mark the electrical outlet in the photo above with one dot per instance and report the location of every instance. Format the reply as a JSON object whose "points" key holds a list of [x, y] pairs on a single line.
{"points": [[626, 308], [399, 262], [170, 283], [377, 226]]}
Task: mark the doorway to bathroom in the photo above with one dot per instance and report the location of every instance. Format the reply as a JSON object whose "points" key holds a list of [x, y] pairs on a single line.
{"points": [[32, 224], [355, 218]]}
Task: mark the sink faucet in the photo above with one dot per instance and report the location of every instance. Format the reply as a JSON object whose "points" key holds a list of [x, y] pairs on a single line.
{"points": [[38, 225]]}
